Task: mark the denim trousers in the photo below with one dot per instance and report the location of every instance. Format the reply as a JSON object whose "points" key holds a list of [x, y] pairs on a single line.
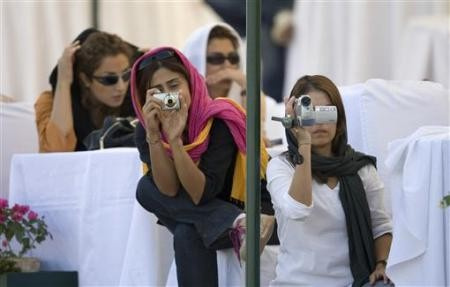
{"points": [[198, 230]]}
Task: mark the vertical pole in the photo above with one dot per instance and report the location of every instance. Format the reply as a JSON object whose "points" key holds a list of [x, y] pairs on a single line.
{"points": [[94, 16], [253, 141]]}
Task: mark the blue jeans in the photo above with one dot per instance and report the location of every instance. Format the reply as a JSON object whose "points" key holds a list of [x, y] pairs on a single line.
{"points": [[198, 230]]}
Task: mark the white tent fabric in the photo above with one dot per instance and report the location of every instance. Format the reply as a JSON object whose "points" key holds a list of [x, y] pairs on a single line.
{"points": [[351, 41], [33, 34], [425, 50]]}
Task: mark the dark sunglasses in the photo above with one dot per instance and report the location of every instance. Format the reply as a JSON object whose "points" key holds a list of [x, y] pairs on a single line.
{"points": [[219, 58], [110, 80], [162, 55]]}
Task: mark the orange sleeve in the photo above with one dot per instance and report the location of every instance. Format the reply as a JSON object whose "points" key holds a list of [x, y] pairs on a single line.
{"points": [[51, 139]]}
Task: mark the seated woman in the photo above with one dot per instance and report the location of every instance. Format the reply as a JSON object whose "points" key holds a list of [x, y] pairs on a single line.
{"points": [[215, 50], [89, 83], [196, 158], [328, 199]]}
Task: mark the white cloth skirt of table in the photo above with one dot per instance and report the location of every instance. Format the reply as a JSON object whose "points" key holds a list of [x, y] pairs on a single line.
{"points": [[420, 178], [98, 228]]}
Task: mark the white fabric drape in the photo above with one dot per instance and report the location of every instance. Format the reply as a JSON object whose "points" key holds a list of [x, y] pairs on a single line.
{"points": [[419, 167], [18, 134], [33, 35], [351, 41], [154, 23]]}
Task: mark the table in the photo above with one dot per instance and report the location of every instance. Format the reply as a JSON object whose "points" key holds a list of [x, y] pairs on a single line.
{"points": [[420, 178], [98, 228]]}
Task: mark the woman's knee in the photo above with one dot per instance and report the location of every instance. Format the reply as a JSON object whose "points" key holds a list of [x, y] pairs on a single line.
{"points": [[144, 193]]}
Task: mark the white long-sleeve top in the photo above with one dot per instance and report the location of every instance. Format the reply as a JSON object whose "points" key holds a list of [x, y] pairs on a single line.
{"points": [[313, 239]]}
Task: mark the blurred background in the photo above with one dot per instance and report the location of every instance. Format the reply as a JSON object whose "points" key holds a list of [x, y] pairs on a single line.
{"points": [[348, 41]]}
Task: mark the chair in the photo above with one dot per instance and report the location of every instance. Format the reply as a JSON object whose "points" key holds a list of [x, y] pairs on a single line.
{"points": [[380, 111], [18, 134]]}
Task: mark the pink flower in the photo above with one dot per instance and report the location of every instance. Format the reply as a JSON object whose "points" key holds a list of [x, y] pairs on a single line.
{"points": [[3, 203], [24, 209], [17, 216], [15, 208], [32, 215]]}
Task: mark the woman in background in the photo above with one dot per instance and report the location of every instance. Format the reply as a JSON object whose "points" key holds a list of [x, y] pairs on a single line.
{"points": [[89, 83], [216, 51], [328, 199]]}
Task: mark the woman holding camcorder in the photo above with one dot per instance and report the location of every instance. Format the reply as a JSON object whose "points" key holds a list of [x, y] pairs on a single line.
{"points": [[328, 198]]}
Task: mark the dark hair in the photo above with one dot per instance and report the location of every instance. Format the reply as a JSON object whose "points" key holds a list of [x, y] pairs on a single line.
{"points": [[306, 84], [145, 75], [95, 48], [221, 32]]}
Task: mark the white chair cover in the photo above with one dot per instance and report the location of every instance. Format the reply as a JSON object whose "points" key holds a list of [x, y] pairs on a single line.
{"points": [[18, 134]]}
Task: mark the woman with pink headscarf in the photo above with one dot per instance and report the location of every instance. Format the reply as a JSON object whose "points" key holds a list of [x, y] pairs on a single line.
{"points": [[194, 148]]}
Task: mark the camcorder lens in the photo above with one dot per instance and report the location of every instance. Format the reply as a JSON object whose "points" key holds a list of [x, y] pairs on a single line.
{"points": [[306, 101]]}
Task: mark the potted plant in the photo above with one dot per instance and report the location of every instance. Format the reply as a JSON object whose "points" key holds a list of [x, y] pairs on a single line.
{"points": [[21, 229]]}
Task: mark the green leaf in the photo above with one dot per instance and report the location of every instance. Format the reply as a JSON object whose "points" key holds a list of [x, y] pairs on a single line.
{"points": [[9, 234], [445, 202]]}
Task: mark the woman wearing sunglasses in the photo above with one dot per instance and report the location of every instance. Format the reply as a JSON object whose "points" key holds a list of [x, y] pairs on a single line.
{"points": [[215, 50], [196, 159], [89, 83], [334, 229]]}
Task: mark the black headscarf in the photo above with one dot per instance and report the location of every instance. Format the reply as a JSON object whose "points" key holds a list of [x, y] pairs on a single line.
{"points": [[345, 167], [82, 122]]}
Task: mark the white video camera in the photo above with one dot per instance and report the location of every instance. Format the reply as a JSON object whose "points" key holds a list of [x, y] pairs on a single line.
{"points": [[307, 115]]}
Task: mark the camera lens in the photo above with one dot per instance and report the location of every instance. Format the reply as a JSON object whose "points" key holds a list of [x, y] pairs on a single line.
{"points": [[306, 101], [170, 102]]}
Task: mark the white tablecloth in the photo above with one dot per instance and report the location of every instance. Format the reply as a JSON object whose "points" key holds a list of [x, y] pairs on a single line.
{"points": [[98, 228], [419, 168]]}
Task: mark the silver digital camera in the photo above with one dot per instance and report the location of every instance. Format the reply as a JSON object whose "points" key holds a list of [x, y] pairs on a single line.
{"points": [[307, 115], [171, 101]]}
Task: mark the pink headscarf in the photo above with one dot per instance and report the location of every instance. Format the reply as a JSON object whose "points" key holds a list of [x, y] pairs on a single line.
{"points": [[201, 109]]}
